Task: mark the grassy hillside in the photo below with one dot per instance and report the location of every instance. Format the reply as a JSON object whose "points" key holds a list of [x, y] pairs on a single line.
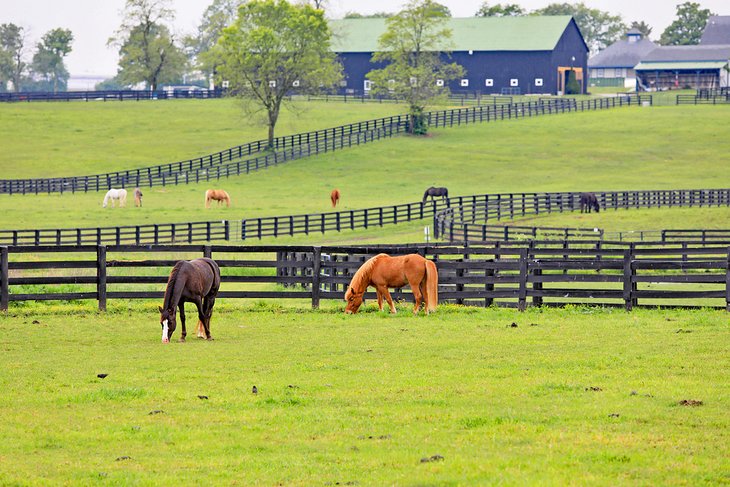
{"points": [[630, 148]]}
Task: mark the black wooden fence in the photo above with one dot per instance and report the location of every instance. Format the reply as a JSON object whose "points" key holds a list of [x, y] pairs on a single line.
{"points": [[460, 218], [503, 273], [110, 95], [238, 160]]}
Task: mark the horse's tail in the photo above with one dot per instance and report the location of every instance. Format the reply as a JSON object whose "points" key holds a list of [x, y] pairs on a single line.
{"points": [[122, 197], [228, 199], [431, 290], [207, 199]]}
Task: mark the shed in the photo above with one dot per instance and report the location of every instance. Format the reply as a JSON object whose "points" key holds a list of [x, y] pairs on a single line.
{"points": [[614, 66], [501, 55], [674, 67]]}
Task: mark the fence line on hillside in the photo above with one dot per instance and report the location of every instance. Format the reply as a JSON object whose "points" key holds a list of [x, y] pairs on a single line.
{"points": [[459, 218], [110, 95], [221, 164], [503, 274]]}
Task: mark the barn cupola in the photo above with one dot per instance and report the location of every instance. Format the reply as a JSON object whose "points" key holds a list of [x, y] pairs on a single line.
{"points": [[634, 35]]}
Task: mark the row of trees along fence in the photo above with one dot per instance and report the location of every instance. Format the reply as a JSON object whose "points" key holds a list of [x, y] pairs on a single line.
{"points": [[110, 95], [509, 274], [258, 155], [460, 218]]}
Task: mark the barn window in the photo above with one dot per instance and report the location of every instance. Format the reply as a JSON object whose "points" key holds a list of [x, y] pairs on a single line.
{"points": [[272, 84], [439, 82], [514, 82], [465, 82], [489, 82], [367, 85], [538, 81], [295, 83], [414, 81], [598, 73]]}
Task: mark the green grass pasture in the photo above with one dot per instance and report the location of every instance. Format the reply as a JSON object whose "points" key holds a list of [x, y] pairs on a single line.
{"points": [[464, 396], [630, 148]]}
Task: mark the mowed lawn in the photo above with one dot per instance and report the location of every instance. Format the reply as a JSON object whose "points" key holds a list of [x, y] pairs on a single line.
{"points": [[461, 397]]}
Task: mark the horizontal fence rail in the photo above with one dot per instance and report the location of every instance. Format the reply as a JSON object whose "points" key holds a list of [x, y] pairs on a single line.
{"points": [[246, 158], [512, 274], [459, 218], [110, 95]]}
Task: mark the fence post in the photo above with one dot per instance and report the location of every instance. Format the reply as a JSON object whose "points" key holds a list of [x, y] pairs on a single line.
{"points": [[4, 279], [101, 276], [628, 279], [207, 251], [522, 297], [727, 279], [316, 266]]}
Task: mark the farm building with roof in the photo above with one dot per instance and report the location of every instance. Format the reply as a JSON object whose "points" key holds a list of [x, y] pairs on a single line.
{"points": [[674, 67], [501, 55], [614, 66]]}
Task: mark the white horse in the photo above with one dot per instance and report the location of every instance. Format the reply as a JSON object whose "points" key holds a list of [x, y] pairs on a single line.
{"points": [[116, 194]]}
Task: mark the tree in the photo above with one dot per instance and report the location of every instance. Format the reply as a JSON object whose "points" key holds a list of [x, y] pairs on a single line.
{"points": [[376, 15], [147, 49], [275, 48], [12, 52], [688, 28], [48, 59], [600, 29], [642, 27], [415, 69], [202, 47], [500, 10]]}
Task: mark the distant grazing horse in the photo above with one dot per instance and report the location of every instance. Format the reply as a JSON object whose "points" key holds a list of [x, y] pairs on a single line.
{"points": [[434, 192], [115, 194], [588, 201], [383, 271], [137, 197], [194, 281], [217, 194], [335, 197]]}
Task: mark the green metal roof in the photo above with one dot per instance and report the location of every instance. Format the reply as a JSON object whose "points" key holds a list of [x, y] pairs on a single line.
{"points": [[679, 65], [528, 33]]}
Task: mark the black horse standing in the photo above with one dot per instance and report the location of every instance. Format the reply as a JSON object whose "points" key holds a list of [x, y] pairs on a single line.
{"points": [[434, 192], [589, 201], [195, 281]]}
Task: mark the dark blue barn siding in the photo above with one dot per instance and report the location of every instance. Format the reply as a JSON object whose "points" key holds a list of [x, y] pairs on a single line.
{"points": [[571, 45]]}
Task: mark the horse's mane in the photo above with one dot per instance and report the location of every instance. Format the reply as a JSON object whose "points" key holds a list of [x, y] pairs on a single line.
{"points": [[169, 291], [361, 279]]}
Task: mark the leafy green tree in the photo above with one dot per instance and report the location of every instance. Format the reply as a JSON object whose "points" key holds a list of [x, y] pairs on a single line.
{"points": [[412, 50], [274, 49], [376, 15], [202, 48], [600, 29], [689, 26], [642, 27], [147, 50], [12, 53], [500, 10], [48, 58]]}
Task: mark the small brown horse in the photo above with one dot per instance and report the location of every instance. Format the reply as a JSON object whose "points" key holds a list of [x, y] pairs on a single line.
{"points": [[217, 194], [383, 271], [194, 281], [588, 201], [137, 197], [335, 197]]}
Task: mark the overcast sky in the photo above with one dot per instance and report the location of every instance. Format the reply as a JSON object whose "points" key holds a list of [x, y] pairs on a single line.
{"points": [[94, 21]]}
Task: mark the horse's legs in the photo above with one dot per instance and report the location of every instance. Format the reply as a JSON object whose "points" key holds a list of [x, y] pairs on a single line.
{"points": [[184, 332], [208, 303], [380, 298], [417, 294], [384, 291]]}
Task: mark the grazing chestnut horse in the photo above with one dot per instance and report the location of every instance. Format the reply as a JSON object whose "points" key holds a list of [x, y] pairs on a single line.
{"points": [[195, 281], [588, 201], [383, 271], [335, 197], [137, 197], [115, 194], [217, 194]]}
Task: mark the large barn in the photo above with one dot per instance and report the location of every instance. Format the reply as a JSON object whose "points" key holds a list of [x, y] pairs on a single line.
{"points": [[501, 55]]}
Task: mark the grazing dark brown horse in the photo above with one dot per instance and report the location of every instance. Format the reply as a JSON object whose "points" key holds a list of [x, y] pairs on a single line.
{"points": [[434, 192], [383, 271], [588, 201], [335, 197], [195, 281], [219, 195]]}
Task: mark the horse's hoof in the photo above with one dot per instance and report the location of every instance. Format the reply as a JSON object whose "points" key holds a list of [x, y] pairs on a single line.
{"points": [[210, 339], [182, 340]]}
